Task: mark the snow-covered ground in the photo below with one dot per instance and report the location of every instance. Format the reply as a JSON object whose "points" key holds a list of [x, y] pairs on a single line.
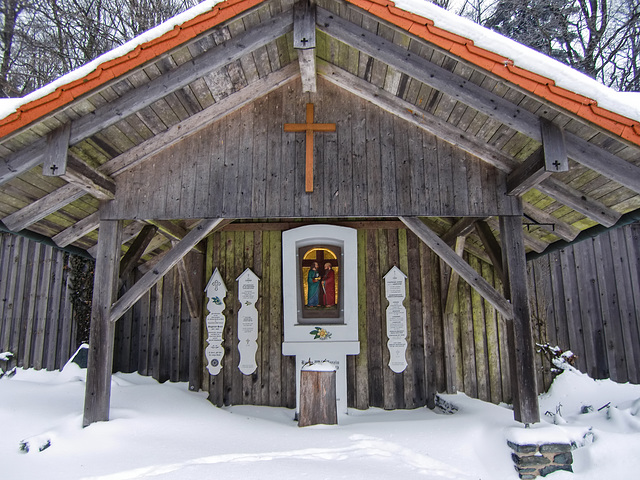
{"points": [[164, 431]]}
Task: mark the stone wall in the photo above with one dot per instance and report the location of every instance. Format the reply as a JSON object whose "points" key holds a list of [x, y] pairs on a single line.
{"points": [[534, 460]]}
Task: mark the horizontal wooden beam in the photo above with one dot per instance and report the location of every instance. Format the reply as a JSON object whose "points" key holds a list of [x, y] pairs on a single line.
{"points": [[493, 156], [145, 95], [184, 246], [473, 278], [475, 96]]}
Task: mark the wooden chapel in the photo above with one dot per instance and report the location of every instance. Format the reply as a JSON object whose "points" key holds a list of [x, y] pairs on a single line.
{"points": [[197, 150]]}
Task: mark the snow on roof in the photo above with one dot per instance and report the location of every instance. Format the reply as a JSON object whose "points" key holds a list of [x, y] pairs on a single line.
{"points": [[627, 104], [624, 104], [10, 105]]}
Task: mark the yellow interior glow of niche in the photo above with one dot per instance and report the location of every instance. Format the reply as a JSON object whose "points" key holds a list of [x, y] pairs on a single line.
{"points": [[313, 255]]}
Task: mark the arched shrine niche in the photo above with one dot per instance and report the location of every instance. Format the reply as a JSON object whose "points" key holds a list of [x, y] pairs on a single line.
{"points": [[319, 267], [320, 298]]}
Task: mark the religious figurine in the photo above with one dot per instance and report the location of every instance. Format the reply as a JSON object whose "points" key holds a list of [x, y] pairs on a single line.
{"points": [[313, 283], [328, 286]]}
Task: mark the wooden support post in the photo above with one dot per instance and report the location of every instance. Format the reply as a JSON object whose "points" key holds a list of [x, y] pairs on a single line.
{"points": [[100, 362], [451, 360], [194, 303], [521, 354]]}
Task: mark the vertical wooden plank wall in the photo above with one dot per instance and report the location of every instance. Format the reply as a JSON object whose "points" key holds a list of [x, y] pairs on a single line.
{"points": [[35, 306], [153, 337], [587, 300], [479, 339]]}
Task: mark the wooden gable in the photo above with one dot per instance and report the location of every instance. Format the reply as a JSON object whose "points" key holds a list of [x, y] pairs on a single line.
{"points": [[245, 166]]}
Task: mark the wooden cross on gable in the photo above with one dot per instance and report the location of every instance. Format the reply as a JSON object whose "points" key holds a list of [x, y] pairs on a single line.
{"points": [[309, 128]]}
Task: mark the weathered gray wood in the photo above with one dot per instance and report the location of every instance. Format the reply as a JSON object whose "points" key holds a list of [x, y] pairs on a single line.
{"points": [[493, 156], [42, 207], [100, 362], [55, 156], [304, 25], [550, 223], [304, 41], [77, 230], [307, 62], [528, 174], [555, 150], [522, 355], [488, 103], [449, 302], [491, 246], [572, 198], [317, 398], [172, 231], [129, 232], [196, 234], [466, 272], [136, 250], [459, 229], [88, 179], [147, 94]]}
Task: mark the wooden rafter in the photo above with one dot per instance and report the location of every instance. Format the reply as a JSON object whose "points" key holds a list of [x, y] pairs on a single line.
{"points": [[488, 103], [197, 233], [156, 89], [77, 230], [63, 196], [552, 187]]}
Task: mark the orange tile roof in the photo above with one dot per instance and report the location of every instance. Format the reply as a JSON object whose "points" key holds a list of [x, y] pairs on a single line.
{"points": [[415, 24]]}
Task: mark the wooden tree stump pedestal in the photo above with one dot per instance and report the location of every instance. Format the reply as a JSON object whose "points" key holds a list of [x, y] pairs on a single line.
{"points": [[317, 397]]}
